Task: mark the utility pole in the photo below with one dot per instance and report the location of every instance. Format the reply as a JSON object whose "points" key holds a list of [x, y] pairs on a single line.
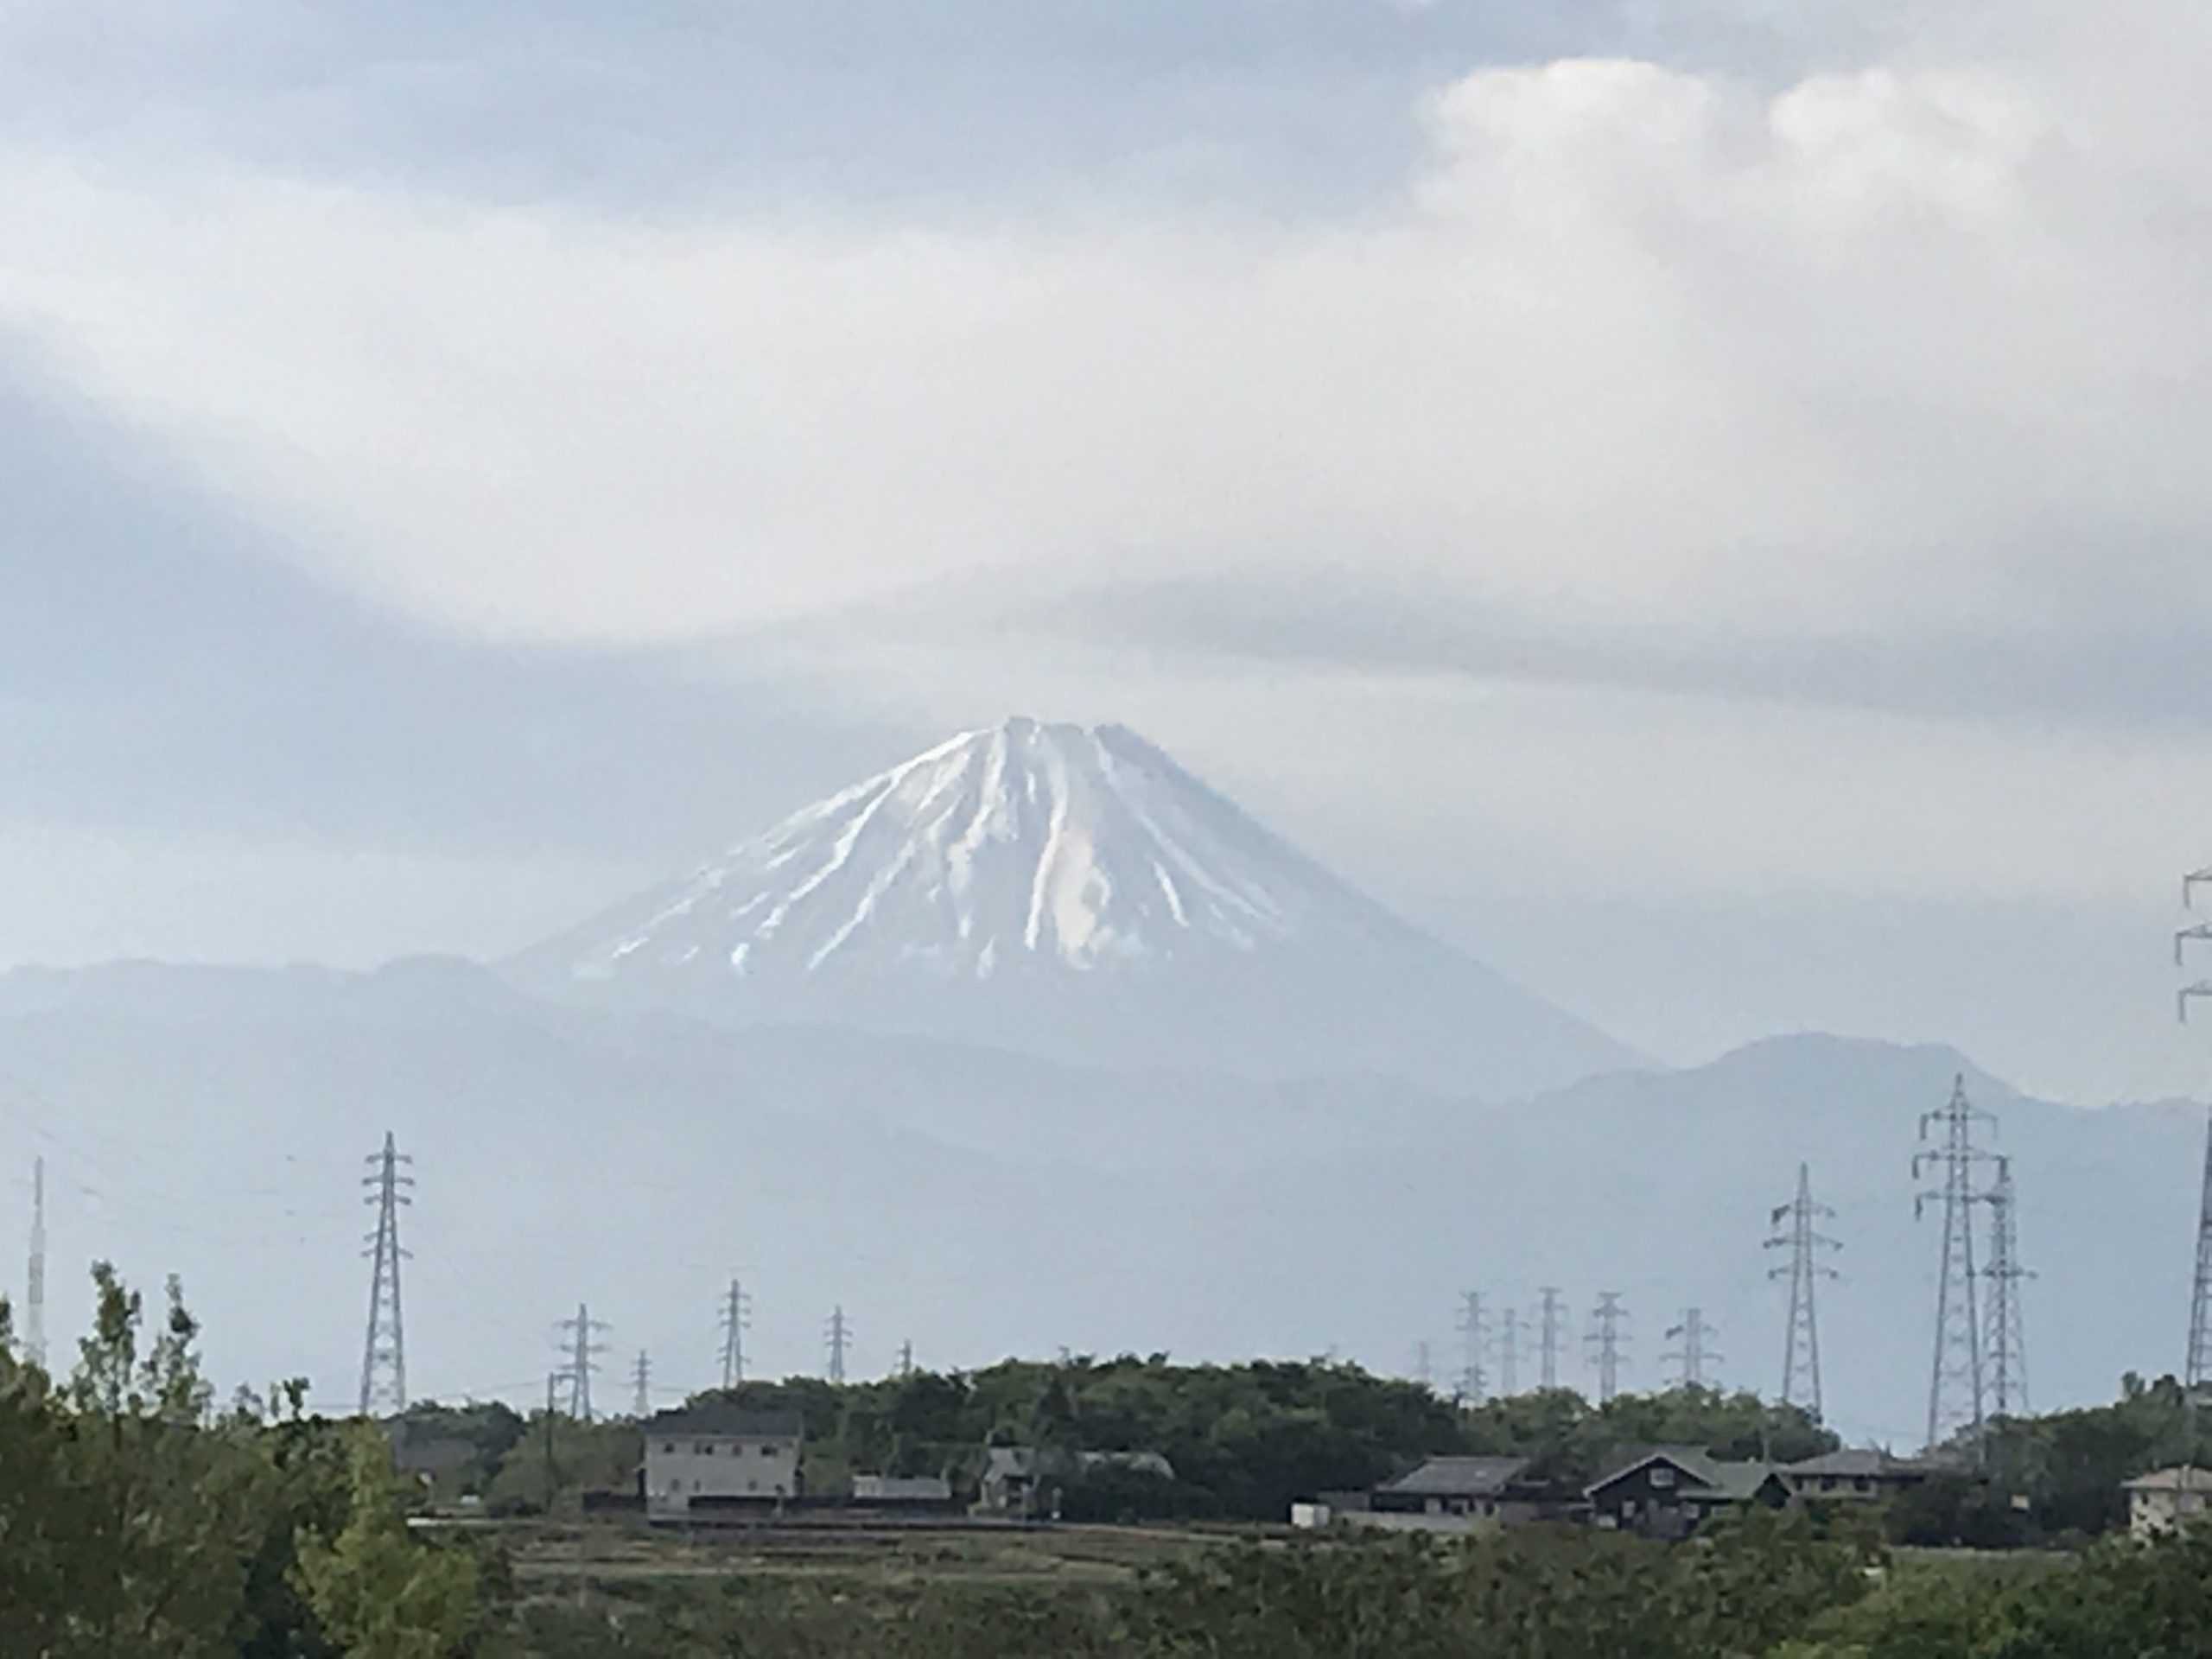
{"points": [[1474, 1325], [1604, 1341], [1508, 1353], [584, 1359], [839, 1338], [641, 1378], [552, 1480], [1692, 1357], [2004, 1343], [1797, 1228], [35, 1280], [1551, 1324], [1955, 1393], [736, 1320], [384, 1353]]}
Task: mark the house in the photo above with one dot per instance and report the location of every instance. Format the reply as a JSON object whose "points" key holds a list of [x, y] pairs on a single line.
{"points": [[1454, 1495], [902, 1492], [2162, 1500], [720, 1457], [1027, 1480], [1666, 1492], [1858, 1475]]}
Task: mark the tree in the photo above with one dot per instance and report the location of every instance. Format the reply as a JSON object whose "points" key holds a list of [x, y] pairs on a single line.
{"points": [[377, 1591]]}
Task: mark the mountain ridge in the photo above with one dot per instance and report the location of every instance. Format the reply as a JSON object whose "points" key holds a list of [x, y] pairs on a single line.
{"points": [[1072, 892]]}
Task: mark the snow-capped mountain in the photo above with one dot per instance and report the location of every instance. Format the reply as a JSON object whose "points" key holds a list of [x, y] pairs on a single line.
{"points": [[1073, 890]]}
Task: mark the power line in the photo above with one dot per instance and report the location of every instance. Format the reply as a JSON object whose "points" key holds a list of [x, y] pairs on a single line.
{"points": [[1551, 1324], [735, 1321], [583, 1353], [1604, 1341], [1955, 1395], [1693, 1358], [384, 1352], [1797, 1230], [1473, 1326], [2004, 1343], [838, 1338]]}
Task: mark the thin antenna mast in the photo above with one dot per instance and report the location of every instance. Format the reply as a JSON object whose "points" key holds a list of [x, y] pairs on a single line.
{"points": [[34, 1282]]}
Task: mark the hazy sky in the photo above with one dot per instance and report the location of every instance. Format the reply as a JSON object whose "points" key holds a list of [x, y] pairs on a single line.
{"points": [[1704, 507]]}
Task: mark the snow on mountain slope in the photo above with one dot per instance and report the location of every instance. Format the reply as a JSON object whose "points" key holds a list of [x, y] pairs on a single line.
{"points": [[1023, 845], [1075, 892]]}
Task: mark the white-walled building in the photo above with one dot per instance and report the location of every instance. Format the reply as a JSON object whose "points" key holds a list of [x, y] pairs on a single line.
{"points": [[720, 1453], [2162, 1500]]}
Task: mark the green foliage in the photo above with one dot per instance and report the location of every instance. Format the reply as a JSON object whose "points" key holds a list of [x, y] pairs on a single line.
{"points": [[1572, 1439], [378, 1593], [137, 1522], [2070, 1465]]}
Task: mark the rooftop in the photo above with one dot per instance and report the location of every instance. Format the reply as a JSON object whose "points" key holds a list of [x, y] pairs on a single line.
{"points": [[2187, 1479], [718, 1419], [1460, 1476], [1869, 1462]]}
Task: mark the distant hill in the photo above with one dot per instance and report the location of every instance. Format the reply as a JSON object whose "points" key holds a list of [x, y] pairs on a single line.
{"points": [[1070, 893], [982, 1202]]}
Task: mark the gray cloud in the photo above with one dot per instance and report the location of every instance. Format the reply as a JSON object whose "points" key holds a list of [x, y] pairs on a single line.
{"points": [[1301, 103], [2125, 660], [159, 667]]}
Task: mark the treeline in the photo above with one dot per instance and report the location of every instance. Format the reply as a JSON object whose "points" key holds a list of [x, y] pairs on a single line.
{"points": [[136, 1520], [1245, 1441], [1757, 1585]]}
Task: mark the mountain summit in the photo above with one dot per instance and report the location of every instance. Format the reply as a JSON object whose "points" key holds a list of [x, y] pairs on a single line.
{"points": [[1070, 890]]}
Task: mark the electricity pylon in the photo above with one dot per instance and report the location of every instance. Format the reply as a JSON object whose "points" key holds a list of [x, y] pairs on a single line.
{"points": [[2005, 1345], [838, 1338], [384, 1353], [641, 1379], [1955, 1395], [583, 1350], [736, 1320], [1509, 1353], [1797, 1230], [1604, 1341], [1474, 1325], [1692, 1358], [1550, 1326]]}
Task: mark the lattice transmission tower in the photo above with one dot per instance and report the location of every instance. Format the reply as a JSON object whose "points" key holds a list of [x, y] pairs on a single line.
{"points": [[1797, 1228], [641, 1380], [384, 1353], [1551, 1327], [582, 1344], [1606, 1337], [1474, 1325], [1955, 1395], [1694, 1359], [736, 1319], [1509, 1353], [2004, 1343], [838, 1337]]}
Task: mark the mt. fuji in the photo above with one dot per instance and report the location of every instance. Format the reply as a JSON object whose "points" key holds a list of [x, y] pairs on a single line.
{"points": [[1073, 892]]}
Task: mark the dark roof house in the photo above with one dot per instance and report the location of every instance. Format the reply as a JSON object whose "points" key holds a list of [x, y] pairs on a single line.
{"points": [[1666, 1491]]}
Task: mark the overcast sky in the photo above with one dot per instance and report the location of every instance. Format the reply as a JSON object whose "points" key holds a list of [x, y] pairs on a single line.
{"points": [[1704, 504]]}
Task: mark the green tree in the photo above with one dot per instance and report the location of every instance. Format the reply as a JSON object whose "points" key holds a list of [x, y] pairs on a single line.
{"points": [[379, 1592]]}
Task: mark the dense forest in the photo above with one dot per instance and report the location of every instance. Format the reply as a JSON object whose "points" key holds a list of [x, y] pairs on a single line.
{"points": [[142, 1519]]}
